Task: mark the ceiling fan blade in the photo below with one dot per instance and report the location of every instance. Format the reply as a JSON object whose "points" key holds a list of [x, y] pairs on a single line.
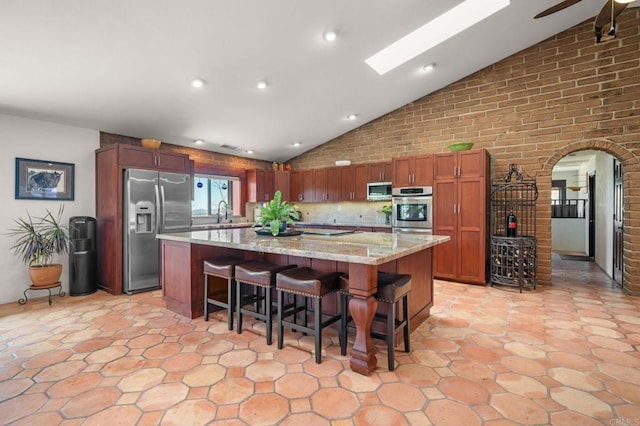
{"points": [[604, 17], [558, 7]]}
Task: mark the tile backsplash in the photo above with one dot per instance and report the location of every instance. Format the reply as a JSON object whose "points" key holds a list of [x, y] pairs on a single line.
{"points": [[365, 212]]}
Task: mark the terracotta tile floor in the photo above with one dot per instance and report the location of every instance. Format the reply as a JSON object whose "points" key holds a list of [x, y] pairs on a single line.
{"points": [[565, 354]]}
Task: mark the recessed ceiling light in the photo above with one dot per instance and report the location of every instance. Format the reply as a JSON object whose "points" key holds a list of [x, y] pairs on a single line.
{"points": [[431, 34], [352, 117], [198, 141], [330, 36], [262, 84], [296, 144], [197, 83], [249, 151], [428, 67]]}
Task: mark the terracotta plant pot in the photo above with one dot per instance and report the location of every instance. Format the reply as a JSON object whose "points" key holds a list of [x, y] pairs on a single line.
{"points": [[45, 275]]}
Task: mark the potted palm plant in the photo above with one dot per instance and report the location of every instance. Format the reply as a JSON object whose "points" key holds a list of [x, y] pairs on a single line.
{"points": [[37, 239], [276, 214]]}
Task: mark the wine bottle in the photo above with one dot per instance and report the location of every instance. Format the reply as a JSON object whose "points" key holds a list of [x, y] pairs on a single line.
{"points": [[512, 224]]}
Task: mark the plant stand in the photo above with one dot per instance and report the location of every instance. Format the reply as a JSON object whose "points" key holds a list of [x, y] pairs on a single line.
{"points": [[47, 287]]}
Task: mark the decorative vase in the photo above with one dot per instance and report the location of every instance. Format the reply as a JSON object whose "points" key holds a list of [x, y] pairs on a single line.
{"points": [[283, 226]]}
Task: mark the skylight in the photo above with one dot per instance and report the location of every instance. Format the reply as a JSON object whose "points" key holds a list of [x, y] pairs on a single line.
{"points": [[445, 26]]}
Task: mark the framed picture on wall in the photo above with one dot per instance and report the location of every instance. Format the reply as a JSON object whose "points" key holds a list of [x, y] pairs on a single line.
{"points": [[44, 180]]}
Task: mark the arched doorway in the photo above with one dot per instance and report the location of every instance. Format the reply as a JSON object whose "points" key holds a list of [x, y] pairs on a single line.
{"points": [[631, 179], [584, 208]]}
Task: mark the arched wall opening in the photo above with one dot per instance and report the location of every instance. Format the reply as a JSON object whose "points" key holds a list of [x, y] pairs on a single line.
{"points": [[631, 215]]}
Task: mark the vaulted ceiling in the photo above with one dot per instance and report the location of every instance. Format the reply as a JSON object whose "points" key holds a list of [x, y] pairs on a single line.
{"points": [[125, 66]]}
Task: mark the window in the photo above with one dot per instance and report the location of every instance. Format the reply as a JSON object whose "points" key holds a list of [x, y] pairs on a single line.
{"points": [[558, 189], [210, 191]]}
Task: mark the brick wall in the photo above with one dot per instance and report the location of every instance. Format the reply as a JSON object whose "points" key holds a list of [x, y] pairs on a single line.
{"points": [[562, 95]]}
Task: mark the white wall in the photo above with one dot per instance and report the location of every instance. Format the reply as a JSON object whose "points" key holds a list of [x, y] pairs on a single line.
{"points": [[26, 138], [568, 235], [604, 212]]}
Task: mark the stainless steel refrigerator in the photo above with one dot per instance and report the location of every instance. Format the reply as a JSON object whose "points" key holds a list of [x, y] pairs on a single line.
{"points": [[154, 202]]}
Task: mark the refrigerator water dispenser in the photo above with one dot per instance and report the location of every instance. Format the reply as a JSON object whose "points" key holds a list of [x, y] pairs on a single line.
{"points": [[144, 217]]}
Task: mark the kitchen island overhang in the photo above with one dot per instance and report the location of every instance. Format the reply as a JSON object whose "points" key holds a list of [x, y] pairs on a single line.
{"points": [[359, 254]]}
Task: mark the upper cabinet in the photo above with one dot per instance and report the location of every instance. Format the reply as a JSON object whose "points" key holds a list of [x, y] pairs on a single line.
{"points": [[353, 182], [281, 182], [260, 185], [326, 184], [380, 172], [413, 171], [130, 156], [301, 185]]}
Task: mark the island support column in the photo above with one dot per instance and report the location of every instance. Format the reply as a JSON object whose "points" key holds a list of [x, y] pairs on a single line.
{"points": [[362, 306]]}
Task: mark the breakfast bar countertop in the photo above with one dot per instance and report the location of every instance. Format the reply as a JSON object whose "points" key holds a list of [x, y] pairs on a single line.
{"points": [[369, 248]]}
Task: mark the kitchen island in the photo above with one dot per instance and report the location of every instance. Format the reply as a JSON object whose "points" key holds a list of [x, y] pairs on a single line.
{"points": [[360, 254]]}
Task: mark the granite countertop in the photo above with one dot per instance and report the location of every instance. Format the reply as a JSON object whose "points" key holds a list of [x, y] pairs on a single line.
{"points": [[224, 225], [352, 224], [369, 248]]}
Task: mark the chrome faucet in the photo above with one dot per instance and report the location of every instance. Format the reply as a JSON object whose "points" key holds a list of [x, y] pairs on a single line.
{"points": [[226, 208]]}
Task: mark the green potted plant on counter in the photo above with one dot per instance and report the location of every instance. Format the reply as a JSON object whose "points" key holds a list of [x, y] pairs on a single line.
{"points": [[37, 239], [386, 211], [277, 214]]}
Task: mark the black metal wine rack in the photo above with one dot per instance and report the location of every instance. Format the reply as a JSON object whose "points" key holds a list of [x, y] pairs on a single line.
{"points": [[514, 259]]}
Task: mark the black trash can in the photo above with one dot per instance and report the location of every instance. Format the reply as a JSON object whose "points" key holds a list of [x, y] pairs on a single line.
{"points": [[82, 256]]}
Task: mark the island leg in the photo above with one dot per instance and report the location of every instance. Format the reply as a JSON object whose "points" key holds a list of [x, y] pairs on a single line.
{"points": [[362, 306]]}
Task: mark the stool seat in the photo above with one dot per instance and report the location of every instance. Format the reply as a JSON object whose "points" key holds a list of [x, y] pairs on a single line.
{"points": [[223, 267], [259, 272], [261, 275], [308, 283], [391, 289]]}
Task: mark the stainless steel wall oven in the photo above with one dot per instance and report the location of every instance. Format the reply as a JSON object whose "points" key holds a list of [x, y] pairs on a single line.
{"points": [[412, 209]]}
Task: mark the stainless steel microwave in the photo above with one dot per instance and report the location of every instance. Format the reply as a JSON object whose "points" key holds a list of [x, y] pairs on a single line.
{"points": [[379, 191]]}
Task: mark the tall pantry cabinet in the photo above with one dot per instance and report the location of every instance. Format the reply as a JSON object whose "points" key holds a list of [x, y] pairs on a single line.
{"points": [[461, 188], [111, 162]]}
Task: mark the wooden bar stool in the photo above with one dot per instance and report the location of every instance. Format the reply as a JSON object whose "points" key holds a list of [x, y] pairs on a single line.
{"points": [[310, 284], [224, 268], [261, 275], [392, 289]]}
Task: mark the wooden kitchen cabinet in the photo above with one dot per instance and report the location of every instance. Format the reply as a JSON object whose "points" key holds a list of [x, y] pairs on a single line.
{"points": [[301, 185], [282, 183], [412, 171], [326, 184], [461, 188], [380, 172], [110, 162], [130, 156], [353, 182], [260, 185]]}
